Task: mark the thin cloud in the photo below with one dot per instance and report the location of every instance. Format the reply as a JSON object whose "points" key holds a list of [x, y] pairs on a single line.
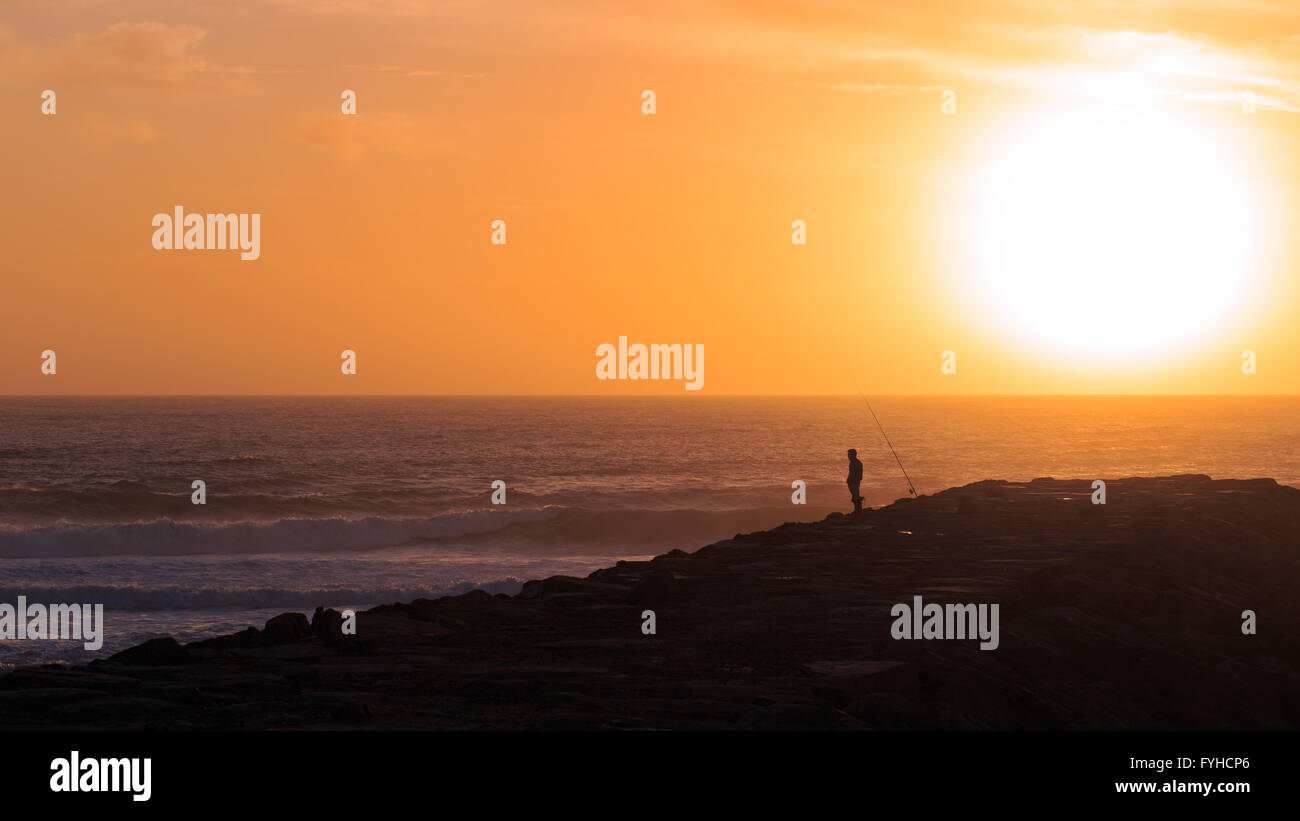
{"points": [[147, 55], [363, 8], [128, 130], [353, 136], [868, 88], [852, 47], [399, 71]]}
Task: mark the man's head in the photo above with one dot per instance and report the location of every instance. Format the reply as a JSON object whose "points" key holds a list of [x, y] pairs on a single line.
{"points": [[853, 454]]}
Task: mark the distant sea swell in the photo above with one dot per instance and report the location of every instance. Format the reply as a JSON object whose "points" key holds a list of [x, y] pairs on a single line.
{"points": [[540, 528]]}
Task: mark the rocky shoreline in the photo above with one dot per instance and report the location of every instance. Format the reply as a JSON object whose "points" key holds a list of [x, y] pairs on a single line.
{"points": [[1126, 615]]}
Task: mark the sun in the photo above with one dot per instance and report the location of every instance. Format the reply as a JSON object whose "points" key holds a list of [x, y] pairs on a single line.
{"points": [[1111, 233]]}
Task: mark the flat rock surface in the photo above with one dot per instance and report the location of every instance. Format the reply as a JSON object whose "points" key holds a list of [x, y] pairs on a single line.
{"points": [[1118, 616]]}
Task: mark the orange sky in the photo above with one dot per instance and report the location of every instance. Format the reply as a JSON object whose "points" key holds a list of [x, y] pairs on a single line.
{"points": [[666, 228]]}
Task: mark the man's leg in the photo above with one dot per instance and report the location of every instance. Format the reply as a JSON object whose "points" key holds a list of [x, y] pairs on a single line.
{"points": [[857, 498]]}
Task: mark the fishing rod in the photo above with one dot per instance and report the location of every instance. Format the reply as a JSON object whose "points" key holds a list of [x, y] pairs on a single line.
{"points": [[910, 488]]}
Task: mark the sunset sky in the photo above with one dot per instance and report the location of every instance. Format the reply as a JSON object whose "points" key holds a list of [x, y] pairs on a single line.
{"points": [[1100, 215]]}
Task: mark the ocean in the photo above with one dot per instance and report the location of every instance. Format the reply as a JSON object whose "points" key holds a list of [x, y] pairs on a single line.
{"points": [[353, 502]]}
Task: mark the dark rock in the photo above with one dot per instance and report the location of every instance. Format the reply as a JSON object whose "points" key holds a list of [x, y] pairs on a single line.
{"points": [[286, 627], [327, 623], [791, 717], [350, 711], [557, 586], [655, 588], [1105, 620], [123, 709], [450, 623], [220, 643], [153, 652], [531, 590]]}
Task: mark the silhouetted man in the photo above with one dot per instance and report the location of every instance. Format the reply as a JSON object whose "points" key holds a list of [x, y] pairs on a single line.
{"points": [[855, 480]]}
